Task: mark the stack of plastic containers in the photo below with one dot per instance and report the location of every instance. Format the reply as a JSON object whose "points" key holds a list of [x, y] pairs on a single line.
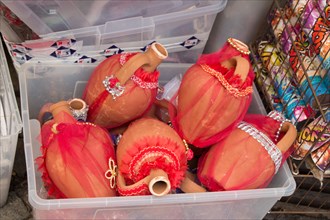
{"points": [[183, 27], [10, 127]]}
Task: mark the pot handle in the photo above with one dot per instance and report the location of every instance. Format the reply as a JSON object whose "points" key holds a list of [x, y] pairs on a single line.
{"points": [[242, 66], [150, 60], [189, 186], [157, 183], [289, 138]]}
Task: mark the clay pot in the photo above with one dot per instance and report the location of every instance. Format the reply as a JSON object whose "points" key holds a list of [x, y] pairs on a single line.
{"points": [[212, 98], [151, 159], [248, 158], [123, 87], [75, 156]]}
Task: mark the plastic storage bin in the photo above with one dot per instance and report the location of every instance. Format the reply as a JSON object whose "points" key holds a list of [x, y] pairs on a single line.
{"points": [[42, 83], [10, 127], [180, 25]]}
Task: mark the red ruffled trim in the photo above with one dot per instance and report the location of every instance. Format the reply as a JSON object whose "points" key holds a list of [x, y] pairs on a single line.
{"points": [[77, 130], [224, 53], [52, 190], [46, 137], [233, 80], [175, 170], [139, 190]]}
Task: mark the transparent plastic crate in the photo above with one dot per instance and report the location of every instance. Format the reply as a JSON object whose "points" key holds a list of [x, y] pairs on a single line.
{"points": [[10, 126], [183, 26], [42, 83]]}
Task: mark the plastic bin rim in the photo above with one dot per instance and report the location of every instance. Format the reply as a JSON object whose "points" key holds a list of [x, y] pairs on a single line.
{"points": [[51, 204], [210, 9], [4, 70], [170, 199]]}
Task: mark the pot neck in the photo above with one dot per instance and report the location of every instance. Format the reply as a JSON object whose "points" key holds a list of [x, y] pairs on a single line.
{"points": [[60, 107], [156, 53], [156, 182], [148, 61]]}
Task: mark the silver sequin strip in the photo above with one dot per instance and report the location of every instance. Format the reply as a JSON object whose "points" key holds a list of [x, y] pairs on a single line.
{"points": [[269, 146], [80, 114], [276, 116]]}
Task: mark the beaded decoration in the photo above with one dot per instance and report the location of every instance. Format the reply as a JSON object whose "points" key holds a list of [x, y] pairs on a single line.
{"points": [[239, 46], [269, 146], [189, 152], [112, 85], [79, 114], [232, 90], [142, 84], [123, 57], [278, 116], [137, 80]]}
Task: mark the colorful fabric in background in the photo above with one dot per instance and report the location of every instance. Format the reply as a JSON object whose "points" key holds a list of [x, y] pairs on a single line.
{"points": [[315, 24], [295, 42], [285, 86], [312, 137], [264, 82], [321, 157], [321, 42], [283, 29], [301, 29]]}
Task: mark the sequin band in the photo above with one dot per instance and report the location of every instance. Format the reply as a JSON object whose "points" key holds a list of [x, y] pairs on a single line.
{"points": [[278, 116], [270, 147]]}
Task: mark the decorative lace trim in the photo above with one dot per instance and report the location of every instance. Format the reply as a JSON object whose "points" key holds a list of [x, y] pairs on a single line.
{"points": [[232, 90], [145, 85], [139, 190], [137, 80], [269, 146], [278, 116], [154, 151], [123, 58]]}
